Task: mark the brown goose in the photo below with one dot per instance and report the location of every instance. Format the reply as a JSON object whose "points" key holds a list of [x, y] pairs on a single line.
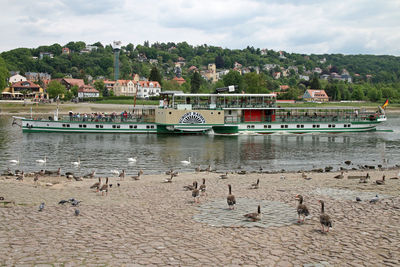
{"points": [[196, 193], [189, 187], [96, 185], [36, 179], [104, 188], [137, 177], [230, 199], [380, 182], [255, 216], [339, 176], [303, 175], [90, 175], [256, 185], [324, 219], [169, 180], [197, 169], [224, 176], [302, 209], [203, 187]]}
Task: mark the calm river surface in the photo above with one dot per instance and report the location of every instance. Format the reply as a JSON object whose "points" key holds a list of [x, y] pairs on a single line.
{"points": [[157, 153]]}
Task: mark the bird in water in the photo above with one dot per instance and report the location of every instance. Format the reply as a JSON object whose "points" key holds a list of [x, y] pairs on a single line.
{"points": [[255, 216], [134, 159], [324, 219], [42, 161], [380, 182], [186, 162], [77, 212], [374, 199], [196, 193], [256, 185], [41, 206], [302, 209], [230, 199]]}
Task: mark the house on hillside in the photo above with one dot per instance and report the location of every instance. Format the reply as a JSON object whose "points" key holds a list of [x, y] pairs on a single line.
{"points": [[147, 89], [27, 88], [16, 78], [125, 88], [179, 80], [69, 82], [315, 96], [87, 91], [45, 54]]}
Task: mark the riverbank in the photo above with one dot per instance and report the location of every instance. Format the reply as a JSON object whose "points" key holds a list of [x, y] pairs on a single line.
{"points": [[149, 222]]}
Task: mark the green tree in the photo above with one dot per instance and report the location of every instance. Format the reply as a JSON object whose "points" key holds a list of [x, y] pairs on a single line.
{"points": [[155, 75], [233, 78], [99, 85], [55, 88], [315, 84], [195, 83], [4, 74], [74, 90], [254, 83]]}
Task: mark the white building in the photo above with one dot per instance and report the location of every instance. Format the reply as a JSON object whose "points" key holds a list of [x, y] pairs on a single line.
{"points": [[125, 88], [147, 89], [16, 78], [87, 91]]}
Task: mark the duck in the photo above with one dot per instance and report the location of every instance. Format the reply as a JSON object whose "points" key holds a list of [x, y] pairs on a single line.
{"points": [[195, 193], [256, 184], [137, 177], [302, 209], [134, 159], [230, 199], [122, 175], [96, 185], [255, 216], [203, 187], [224, 176], [104, 188], [339, 176], [190, 186], [324, 219], [77, 163], [186, 162], [90, 175], [169, 180], [41, 161], [381, 182]]}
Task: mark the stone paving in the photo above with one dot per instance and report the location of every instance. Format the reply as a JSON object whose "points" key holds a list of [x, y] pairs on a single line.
{"points": [[151, 223], [274, 213]]}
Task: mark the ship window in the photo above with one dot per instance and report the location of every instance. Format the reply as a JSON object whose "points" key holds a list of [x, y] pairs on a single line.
{"points": [[113, 126], [67, 125], [130, 126], [101, 126], [63, 125], [118, 126], [282, 126], [266, 126], [302, 126], [298, 126], [329, 126], [135, 126], [152, 126], [84, 126], [248, 126], [252, 126], [286, 126], [147, 126], [170, 112], [269, 126], [318, 126], [348, 125], [97, 126], [219, 113], [313, 126], [333, 125], [230, 112], [80, 125], [212, 113]]}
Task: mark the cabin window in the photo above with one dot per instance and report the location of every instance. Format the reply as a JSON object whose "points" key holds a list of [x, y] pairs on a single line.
{"points": [[101, 126], [248, 126], [333, 125], [298, 126], [252, 126], [170, 112], [84, 126], [219, 113], [329, 126], [282, 126], [302, 126], [97, 126], [230, 112], [67, 125], [317, 125], [63, 125], [118, 126], [135, 126], [212, 113], [130, 126], [348, 125], [147, 126], [313, 126], [80, 125], [114, 126], [152, 126], [286, 126]]}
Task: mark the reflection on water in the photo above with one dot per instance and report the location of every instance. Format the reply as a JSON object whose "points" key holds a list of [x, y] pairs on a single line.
{"points": [[156, 153]]}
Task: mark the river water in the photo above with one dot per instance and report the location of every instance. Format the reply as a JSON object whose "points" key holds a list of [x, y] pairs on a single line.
{"points": [[157, 153]]}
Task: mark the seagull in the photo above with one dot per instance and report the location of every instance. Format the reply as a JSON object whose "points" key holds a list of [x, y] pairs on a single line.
{"points": [[374, 199], [132, 159], [42, 160], [41, 207], [186, 162], [77, 163], [77, 212]]}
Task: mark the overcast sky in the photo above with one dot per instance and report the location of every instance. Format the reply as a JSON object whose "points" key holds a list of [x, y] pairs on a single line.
{"points": [[302, 26]]}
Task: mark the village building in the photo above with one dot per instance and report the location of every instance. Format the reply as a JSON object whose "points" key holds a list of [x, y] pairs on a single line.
{"points": [[146, 89], [16, 78], [87, 91], [125, 88], [311, 95]]}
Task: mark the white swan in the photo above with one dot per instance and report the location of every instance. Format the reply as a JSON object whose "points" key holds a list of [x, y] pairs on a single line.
{"points": [[77, 163], [185, 162], [14, 161], [42, 160], [132, 159], [115, 172]]}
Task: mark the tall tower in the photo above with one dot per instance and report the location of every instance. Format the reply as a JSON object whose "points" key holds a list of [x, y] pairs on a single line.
{"points": [[116, 48]]}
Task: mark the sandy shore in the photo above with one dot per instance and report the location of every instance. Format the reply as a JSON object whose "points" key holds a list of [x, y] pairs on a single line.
{"points": [[148, 222]]}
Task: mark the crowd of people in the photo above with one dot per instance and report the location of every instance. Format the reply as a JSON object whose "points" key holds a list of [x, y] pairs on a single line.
{"points": [[103, 116]]}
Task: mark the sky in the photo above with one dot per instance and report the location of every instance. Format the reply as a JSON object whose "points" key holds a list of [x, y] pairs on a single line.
{"points": [[302, 26]]}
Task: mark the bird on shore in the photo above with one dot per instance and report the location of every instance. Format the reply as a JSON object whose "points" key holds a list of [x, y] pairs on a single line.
{"points": [[131, 160], [324, 219], [339, 176], [20, 176], [303, 175], [41, 206], [116, 172], [307, 178], [169, 180], [90, 175], [358, 199], [224, 176], [380, 182], [76, 203], [104, 188], [63, 201], [283, 177], [374, 199], [189, 187], [230, 199], [122, 175], [197, 169], [36, 179], [302, 209], [175, 173], [186, 162], [196, 193], [254, 216], [42, 161], [203, 187], [96, 185], [208, 169], [136, 177], [77, 212], [169, 172], [77, 163], [256, 185]]}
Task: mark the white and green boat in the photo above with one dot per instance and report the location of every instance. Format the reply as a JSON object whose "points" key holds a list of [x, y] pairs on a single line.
{"points": [[225, 114]]}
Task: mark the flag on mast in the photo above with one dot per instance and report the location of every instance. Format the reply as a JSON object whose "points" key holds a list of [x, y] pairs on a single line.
{"points": [[386, 103]]}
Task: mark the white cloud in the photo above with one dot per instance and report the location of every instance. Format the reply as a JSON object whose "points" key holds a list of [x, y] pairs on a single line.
{"points": [[308, 26]]}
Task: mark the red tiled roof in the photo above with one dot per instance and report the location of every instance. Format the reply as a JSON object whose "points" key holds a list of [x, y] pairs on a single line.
{"points": [[26, 84], [284, 87], [179, 80], [147, 83], [78, 82], [317, 93], [87, 89]]}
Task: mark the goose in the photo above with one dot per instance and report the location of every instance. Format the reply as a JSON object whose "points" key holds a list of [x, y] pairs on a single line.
{"points": [[256, 184], [42, 160], [208, 169], [132, 159], [197, 169], [324, 219], [230, 199], [195, 193], [90, 175], [189, 187], [36, 178], [20, 176], [380, 182], [255, 216], [303, 175], [339, 176], [224, 176], [302, 209], [186, 162], [104, 188], [14, 161], [169, 180], [77, 163], [96, 185], [169, 172], [122, 175], [203, 187], [137, 177]]}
